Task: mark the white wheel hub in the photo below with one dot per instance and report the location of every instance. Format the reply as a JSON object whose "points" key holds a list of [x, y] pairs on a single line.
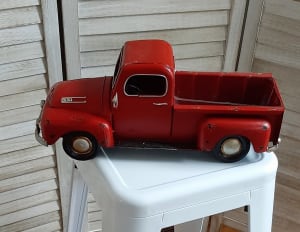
{"points": [[82, 145], [231, 147]]}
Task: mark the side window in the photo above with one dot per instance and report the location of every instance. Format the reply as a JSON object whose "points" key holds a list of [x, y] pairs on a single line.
{"points": [[146, 85]]}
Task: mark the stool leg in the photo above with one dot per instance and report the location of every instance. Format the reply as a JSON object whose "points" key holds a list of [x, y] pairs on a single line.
{"points": [[193, 226], [261, 208], [78, 207]]}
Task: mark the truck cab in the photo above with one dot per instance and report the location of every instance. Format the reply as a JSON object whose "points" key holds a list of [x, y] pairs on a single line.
{"points": [[143, 91]]}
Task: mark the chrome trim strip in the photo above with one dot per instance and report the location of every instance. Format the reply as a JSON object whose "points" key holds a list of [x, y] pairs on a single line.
{"points": [[73, 100]]}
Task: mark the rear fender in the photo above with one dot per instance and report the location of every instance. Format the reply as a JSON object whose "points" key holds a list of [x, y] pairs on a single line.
{"points": [[257, 131]]}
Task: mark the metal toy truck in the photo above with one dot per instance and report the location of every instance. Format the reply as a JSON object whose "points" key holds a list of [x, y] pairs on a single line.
{"points": [[147, 100]]}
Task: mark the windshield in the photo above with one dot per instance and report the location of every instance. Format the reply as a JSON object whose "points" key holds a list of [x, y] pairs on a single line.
{"points": [[117, 69]]}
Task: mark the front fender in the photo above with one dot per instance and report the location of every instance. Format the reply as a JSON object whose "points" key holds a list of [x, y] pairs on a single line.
{"points": [[257, 131], [105, 136], [59, 122]]}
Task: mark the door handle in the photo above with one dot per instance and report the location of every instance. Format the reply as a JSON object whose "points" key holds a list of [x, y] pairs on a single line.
{"points": [[160, 103]]}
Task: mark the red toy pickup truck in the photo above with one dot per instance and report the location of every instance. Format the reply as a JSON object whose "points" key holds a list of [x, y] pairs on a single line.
{"points": [[147, 100]]}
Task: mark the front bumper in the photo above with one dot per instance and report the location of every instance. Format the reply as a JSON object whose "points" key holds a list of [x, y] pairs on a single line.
{"points": [[38, 136]]}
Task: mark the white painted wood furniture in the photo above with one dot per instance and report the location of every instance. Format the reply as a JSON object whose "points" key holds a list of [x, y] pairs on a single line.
{"points": [[150, 189]]}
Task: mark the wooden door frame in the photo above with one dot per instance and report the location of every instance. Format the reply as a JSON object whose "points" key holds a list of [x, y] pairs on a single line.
{"points": [[250, 32]]}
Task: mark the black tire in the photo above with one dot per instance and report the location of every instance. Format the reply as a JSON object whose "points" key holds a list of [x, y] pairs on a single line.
{"points": [[80, 145], [237, 148]]}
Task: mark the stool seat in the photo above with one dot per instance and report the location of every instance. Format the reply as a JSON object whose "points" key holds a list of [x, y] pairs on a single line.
{"points": [[145, 190]]}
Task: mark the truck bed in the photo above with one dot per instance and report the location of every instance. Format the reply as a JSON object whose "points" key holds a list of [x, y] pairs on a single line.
{"points": [[201, 88]]}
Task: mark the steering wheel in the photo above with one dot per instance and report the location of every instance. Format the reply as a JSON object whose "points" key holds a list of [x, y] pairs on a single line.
{"points": [[133, 89]]}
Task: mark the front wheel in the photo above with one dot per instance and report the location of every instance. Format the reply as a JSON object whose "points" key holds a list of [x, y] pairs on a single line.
{"points": [[232, 149], [80, 145]]}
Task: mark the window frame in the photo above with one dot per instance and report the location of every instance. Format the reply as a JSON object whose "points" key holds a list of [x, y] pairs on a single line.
{"points": [[143, 95]]}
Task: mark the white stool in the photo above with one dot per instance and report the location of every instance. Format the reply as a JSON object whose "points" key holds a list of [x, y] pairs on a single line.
{"points": [[145, 190]]}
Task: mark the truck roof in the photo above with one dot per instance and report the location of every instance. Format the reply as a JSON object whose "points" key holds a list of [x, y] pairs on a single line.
{"points": [[148, 52]]}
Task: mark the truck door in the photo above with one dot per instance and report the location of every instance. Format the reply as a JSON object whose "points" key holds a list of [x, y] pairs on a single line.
{"points": [[143, 109]]}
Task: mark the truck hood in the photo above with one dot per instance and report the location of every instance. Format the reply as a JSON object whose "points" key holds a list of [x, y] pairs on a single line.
{"points": [[89, 95]]}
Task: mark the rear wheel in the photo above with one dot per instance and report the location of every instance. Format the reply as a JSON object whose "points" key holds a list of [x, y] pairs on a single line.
{"points": [[80, 145], [232, 149]]}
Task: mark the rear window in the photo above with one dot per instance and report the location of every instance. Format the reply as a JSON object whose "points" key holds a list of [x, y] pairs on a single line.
{"points": [[146, 85]]}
